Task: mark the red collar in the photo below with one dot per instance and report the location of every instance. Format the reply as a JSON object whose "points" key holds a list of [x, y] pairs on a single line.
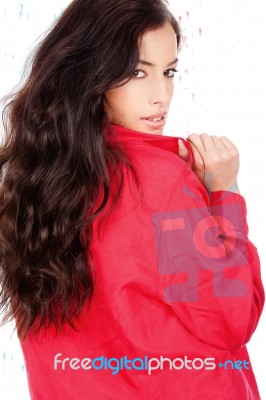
{"points": [[165, 142]]}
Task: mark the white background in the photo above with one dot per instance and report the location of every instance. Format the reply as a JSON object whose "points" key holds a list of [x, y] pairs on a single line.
{"points": [[220, 90]]}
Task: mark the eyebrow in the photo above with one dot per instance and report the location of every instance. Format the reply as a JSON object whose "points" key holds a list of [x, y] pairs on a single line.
{"points": [[153, 65]]}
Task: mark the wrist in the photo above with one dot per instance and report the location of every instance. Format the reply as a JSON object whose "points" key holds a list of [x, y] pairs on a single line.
{"points": [[233, 188]]}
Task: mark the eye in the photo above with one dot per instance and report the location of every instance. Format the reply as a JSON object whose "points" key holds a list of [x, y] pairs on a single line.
{"points": [[137, 74], [170, 73]]}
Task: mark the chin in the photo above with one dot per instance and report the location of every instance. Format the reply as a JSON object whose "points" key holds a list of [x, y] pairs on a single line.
{"points": [[154, 131]]}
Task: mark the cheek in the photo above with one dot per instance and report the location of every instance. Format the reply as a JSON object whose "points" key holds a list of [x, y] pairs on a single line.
{"points": [[118, 104], [171, 90], [117, 97]]}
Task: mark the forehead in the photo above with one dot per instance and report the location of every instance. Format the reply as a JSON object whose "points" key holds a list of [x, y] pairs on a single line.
{"points": [[158, 43]]}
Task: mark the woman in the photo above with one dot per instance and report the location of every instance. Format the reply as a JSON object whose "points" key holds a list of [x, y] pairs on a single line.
{"points": [[129, 274]]}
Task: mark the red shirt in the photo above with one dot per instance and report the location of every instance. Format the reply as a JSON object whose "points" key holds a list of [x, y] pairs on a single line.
{"points": [[178, 294]]}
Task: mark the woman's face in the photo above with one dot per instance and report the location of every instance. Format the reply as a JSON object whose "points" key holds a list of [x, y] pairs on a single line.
{"points": [[148, 94]]}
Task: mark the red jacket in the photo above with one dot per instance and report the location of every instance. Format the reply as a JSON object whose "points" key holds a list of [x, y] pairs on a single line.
{"points": [[178, 294]]}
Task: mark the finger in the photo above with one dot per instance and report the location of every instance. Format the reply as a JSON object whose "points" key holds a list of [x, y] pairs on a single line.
{"points": [[227, 142], [198, 163], [219, 145], [182, 150], [207, 142], [197, 142]]}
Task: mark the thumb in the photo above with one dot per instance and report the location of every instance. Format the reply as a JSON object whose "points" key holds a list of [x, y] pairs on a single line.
{"points": [[182, 150]]}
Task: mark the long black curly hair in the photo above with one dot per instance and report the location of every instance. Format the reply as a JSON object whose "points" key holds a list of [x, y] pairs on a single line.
{"points": [[55, 158]]}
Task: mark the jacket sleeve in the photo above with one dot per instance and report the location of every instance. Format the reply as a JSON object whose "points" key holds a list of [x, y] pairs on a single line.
{"points": [[208, 270]]}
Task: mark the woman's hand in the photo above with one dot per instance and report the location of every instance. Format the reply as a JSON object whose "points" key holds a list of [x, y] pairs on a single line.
{"points": [[216, 161]]}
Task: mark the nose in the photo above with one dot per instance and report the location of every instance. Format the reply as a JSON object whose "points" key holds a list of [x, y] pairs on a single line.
{"points": [[161, 91]]}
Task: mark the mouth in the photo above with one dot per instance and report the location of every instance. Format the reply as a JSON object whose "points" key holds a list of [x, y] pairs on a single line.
{"points": [[156, 120]]}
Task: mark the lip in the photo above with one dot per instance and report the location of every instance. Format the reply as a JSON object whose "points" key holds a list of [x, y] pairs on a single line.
{"points": [[158, 115], [155, 124]]}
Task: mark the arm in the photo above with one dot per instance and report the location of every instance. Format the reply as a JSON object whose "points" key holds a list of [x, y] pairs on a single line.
{"points": [[209, 271], [203, 246]]}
